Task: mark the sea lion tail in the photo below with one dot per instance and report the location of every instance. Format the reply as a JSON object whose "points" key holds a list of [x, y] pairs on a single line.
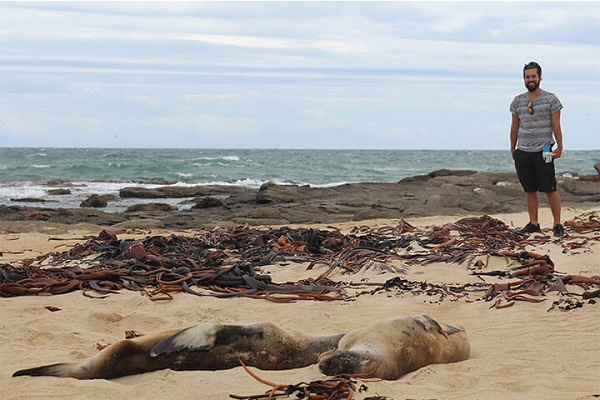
{"points": [[61, 370]]}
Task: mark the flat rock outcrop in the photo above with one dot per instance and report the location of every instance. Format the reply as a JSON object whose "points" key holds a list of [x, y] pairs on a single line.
{"points": [[443, 192]]}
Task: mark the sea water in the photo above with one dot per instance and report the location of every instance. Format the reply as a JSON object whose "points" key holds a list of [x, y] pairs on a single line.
{"points": [[31, 172]]}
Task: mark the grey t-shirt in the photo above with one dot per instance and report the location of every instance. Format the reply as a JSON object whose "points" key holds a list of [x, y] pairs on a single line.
{"points": [[535, 130]]}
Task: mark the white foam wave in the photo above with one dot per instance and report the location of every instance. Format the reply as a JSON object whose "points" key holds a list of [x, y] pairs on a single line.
{"points": [[227, 158]]}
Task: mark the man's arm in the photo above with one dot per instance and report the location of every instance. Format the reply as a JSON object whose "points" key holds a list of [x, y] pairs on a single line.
{"points": [[557, 134], [514, 129]]}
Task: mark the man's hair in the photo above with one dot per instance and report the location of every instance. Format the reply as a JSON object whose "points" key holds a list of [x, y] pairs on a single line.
{"points": [[532, 65]]}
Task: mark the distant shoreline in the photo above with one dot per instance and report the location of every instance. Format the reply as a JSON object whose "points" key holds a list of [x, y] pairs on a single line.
{"points": [[442, 192]]}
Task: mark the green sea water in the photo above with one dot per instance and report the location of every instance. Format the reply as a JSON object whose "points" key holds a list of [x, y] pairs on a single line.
{"points": [[25, 172], [315, 167]]}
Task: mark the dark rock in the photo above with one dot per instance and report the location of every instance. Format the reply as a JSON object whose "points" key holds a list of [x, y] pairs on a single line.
{"points": [[436, 174], [177, 191], [208, 202], [580, 187], [155, 181], [94, 201], [97, 201], [272, 192], [261, 213], [59, 192], [451, 172], [597, 167], [141, 193], [150, 207], [370, 213], [29, 200], [140, 224]]}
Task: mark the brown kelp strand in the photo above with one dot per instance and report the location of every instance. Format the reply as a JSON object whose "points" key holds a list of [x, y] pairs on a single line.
{"points": [[335, 388]]}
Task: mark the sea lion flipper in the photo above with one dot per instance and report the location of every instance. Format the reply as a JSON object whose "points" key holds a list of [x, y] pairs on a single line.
{"points": [[199, 337], [442, 328], [449, 329], [60, 370]]}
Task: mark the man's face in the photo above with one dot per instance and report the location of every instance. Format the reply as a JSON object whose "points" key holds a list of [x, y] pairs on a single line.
{"points": [[532, 79]]}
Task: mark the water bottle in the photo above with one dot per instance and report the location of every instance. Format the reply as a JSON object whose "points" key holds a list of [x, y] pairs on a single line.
{"points": [[547, 154]]}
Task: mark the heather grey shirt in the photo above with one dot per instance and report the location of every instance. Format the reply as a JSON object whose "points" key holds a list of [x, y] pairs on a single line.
{"points": [[535, 131]]}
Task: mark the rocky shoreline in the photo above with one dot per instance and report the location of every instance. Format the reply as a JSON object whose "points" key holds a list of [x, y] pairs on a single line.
{"points": [[443, 192]]}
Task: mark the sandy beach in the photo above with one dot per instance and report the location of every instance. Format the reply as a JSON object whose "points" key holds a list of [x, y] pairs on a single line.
{"points": [[519, 352]]}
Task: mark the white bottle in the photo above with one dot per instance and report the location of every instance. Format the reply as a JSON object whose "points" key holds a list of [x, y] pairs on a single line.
{"points": [[547, 154]]}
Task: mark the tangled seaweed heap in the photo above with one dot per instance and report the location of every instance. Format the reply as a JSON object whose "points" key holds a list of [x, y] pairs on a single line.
{"points": [[338, 387], [225, 262]]}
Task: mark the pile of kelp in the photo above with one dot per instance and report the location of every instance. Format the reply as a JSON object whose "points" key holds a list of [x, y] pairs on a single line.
{"points": [[223, 262], [339, 387], [226, 262]]}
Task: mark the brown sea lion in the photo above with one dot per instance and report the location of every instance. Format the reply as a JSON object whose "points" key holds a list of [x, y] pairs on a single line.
{"points": [[393, 347], [206, 346]]}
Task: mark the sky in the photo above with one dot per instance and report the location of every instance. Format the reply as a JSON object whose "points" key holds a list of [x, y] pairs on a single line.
{"points": [[298, 75]]}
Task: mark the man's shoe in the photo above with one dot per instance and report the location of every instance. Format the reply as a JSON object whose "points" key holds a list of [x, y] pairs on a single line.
{"points": [[531, 228], [559, 230]]}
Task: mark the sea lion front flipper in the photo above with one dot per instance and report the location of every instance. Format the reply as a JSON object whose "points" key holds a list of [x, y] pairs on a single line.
{"points": [[199, 337], [449, 329], [206, 336]]}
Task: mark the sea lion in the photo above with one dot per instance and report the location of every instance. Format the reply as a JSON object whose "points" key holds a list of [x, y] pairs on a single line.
{"points": [[393, 347], [207, 346]]}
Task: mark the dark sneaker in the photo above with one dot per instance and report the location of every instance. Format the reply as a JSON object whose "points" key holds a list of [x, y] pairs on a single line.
{"points": [[559, 230], [530, 228]]}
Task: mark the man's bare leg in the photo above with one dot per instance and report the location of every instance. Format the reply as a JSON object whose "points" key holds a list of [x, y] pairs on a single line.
{"points": [[533, 203], [554, 201]]}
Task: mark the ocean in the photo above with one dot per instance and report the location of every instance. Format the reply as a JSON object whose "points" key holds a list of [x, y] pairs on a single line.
{"points": [[29, 173]]}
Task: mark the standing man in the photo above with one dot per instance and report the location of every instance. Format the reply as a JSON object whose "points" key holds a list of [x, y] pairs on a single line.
{"points": [[536, 124]]}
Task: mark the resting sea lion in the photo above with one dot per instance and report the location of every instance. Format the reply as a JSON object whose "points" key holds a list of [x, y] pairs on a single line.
{"points": [[206, 346], [395, 346]]}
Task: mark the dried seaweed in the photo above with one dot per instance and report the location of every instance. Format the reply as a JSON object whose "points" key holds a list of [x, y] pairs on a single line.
{"points": [[226, 262]]}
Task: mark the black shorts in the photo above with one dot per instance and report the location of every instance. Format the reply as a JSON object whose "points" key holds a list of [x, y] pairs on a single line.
{"points": [[534, 173]]}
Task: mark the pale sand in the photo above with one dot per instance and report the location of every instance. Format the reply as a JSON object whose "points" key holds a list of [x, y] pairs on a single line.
{"points": [[521, 352]]}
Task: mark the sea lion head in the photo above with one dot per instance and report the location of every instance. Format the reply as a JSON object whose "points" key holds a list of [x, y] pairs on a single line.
{"points": [[348, 362]]}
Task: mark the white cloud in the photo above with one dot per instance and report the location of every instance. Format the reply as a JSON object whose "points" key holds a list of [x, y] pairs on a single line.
{"points": [[242, 41], [209, 125], [249, 68]]}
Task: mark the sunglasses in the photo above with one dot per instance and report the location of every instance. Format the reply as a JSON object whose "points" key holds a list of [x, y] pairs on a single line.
{"points": [[530, 108]]}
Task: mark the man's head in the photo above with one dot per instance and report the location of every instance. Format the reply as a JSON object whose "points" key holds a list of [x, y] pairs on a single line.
{"points": [[532, 75]]}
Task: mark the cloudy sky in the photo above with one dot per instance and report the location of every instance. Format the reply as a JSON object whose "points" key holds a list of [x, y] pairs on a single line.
{"points": [[333, 75]]}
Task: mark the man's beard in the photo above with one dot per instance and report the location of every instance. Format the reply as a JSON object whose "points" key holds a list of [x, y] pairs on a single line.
{"points": [[532, 86]]}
